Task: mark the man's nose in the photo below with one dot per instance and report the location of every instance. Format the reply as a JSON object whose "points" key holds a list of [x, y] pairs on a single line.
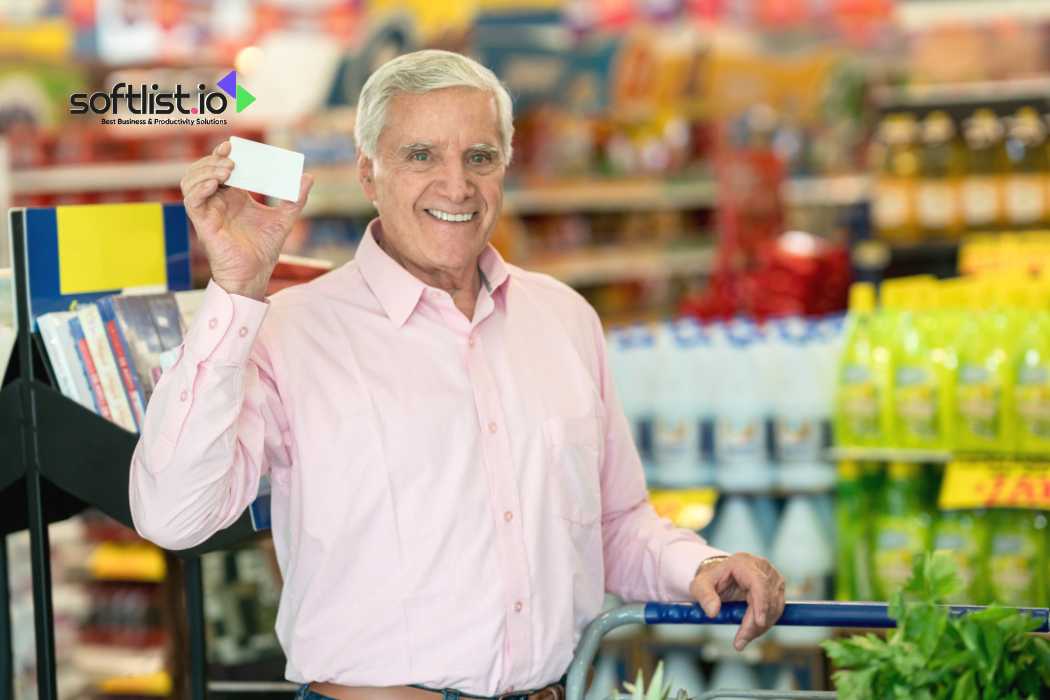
{"points": [[455, 181]]}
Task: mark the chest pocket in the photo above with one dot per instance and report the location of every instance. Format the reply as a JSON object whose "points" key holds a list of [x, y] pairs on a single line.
{"points": [[574, 454]]}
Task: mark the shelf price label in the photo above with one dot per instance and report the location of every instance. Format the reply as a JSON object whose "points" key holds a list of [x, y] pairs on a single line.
{"points": [[996, 485]]}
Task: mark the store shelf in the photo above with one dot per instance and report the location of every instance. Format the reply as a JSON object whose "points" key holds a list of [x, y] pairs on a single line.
{"points": [[926, 14], [336, 193], [98, 178], [600, 266], [834, 191], [946, 94], [888, 454], [611, 195]]}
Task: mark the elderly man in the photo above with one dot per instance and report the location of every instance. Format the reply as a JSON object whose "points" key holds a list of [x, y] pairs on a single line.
{"points": [[454, 482]]}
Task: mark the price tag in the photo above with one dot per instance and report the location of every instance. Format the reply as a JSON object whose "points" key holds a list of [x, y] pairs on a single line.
{"points": [[689, 508], [996, 485]]}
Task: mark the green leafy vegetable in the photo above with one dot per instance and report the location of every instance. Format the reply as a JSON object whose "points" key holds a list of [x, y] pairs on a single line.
{"points": [[658, 689], [931, 654]]}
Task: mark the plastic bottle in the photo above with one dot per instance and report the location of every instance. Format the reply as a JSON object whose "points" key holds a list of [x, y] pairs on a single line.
{"points": [[682, 673], [897, 163], [803, 553], [682, 405], [1031, 392], [853, 553], [961, 534], [920, 420], [734, 675], [740, 412], [983, 382], [797, 398], [982, 186], [1018, 558], [941, 165], [859, 416], [1025, 189], [766, 514], [632, 361], [901, 529], [786, 680], [831, 334]]}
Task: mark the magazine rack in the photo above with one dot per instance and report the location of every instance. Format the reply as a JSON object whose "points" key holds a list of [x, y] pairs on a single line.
{"points": [[60, 458]]}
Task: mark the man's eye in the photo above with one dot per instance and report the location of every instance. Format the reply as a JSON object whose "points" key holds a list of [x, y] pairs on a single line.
{"points": [[419, 156], [480, 158]]}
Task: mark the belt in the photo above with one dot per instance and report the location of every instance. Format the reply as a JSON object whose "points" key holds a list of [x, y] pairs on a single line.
{"points": [[554, 691]]}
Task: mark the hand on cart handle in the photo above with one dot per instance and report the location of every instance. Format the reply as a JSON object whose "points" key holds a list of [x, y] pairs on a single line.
{"points": [[742, 577], [242, 237]]}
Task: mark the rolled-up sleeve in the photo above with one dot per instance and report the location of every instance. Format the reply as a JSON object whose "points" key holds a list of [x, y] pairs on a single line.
{"points": [[645, 556], [213, 427]]}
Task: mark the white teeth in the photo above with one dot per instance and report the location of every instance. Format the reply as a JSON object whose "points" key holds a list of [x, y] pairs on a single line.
{"points": [[445, 216]]}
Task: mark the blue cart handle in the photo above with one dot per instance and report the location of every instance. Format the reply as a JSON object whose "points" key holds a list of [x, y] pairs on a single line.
{"points": [[803, 614]]}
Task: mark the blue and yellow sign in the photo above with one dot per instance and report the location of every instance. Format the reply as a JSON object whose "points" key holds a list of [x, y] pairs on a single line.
{"points": [[84, 252]]}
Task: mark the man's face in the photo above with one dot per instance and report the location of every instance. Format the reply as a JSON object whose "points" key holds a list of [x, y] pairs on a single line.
{"points": [[437, 178]]}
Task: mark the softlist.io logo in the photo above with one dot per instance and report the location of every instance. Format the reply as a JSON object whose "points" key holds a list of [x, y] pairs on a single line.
{"points": [[150, 105]]}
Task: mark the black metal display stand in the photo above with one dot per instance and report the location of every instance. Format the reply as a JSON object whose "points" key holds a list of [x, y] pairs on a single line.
{"points": [[57, 459]]}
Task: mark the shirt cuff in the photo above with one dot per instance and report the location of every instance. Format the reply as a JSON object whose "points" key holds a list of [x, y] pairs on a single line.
{"points": [[678, 564], [225, 327]]}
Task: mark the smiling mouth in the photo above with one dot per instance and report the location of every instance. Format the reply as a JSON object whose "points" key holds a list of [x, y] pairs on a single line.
{"points": [[450, 217]]}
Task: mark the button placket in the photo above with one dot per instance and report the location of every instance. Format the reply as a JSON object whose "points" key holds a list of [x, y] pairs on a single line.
{"points": [[496, 453]]}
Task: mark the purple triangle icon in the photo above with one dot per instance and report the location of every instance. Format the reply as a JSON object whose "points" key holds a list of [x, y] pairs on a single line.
{"points": [[229, 83]]}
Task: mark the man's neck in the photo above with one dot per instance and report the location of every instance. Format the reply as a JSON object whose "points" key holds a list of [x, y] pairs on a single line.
{"points": [[463, 286]]}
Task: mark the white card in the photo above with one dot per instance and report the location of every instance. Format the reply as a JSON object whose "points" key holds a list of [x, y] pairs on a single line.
{"points": [[265, 169]]}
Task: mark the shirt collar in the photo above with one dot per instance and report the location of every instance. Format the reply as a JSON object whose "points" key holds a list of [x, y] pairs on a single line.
{"points": [[397, 289]]}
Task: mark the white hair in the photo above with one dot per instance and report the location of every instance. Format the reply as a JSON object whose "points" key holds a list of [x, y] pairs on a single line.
{"points": [[420, 72]]}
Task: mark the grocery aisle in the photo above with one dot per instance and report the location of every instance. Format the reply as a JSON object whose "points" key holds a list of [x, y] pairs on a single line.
{"points": [[817, 234]]}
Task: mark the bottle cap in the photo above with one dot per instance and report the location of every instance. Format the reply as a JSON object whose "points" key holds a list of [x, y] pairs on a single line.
{"points": [[901, 471], [849, 470], [861, 297]]}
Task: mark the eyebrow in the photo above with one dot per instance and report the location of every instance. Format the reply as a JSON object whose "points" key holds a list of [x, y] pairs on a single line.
{"points": [[418, 146], [424, 146]]}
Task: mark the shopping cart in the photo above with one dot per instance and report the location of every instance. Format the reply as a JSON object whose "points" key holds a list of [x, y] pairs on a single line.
{"points": [[815, 614]]}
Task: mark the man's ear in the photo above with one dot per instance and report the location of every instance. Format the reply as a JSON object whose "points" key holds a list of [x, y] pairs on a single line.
{"points": [[365, 175]]}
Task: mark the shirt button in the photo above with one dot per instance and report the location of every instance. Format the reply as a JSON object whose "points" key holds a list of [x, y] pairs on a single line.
{"points": [[492, 427], [243, 331], [212, 323], [508, 516], [184, 395], [518, 606], [470, 342]]}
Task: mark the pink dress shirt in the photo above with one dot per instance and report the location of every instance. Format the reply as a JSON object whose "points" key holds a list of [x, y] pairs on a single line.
{"points": [[451, 497]]}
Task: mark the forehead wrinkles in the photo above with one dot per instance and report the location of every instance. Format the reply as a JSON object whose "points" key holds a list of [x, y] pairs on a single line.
{"points": [[441, 118]]}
